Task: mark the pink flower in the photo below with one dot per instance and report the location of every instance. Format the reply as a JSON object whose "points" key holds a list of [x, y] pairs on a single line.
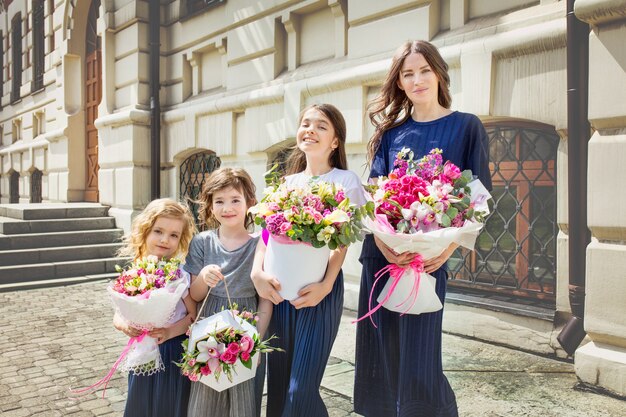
{"points": [[284, 228], [233, 348], [193, 377], [451, 171], [228, 357], [247, 344], [245, 356], [205, 370], [192, 362]]}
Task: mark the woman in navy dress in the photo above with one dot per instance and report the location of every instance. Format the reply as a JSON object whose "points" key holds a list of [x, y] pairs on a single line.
{"points": [[398, 365]]}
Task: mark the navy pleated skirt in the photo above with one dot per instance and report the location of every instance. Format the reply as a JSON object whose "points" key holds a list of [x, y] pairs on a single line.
{"points": [[398, 370], [307, 336], [164, 394]]}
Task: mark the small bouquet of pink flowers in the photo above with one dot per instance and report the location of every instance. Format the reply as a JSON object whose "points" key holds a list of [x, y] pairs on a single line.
{"points": [[145, 295], [304, 225], [422, 207], [224, 343]]}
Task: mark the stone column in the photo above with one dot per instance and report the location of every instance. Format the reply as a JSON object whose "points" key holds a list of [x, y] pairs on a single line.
{"points": [[602, 362]]}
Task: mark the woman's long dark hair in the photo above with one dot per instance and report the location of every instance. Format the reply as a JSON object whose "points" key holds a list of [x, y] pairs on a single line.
{"points": [[392, 106]]}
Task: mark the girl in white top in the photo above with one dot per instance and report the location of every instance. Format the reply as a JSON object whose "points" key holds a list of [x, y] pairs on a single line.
{"points": [[307, 326]]}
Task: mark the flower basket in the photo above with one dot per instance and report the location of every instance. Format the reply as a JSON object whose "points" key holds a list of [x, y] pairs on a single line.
{"points": [[295, 264], [223, 321]]}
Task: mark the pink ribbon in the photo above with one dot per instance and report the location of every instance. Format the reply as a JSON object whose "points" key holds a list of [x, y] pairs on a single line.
{"points": [[395, 273], [109, 375]]}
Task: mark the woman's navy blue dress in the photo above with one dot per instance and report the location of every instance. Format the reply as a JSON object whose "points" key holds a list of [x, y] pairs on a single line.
{"points": [[399, 370], [164, 394]]}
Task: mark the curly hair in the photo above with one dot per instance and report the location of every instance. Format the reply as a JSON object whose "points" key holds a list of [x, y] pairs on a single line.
{"points": [[219, 180], [135, 241], [296, 161], [392, 106]]}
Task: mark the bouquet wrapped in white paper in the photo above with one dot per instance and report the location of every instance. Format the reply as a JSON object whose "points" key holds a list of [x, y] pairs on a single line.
{"points": [[423, 207], [145, 296]]}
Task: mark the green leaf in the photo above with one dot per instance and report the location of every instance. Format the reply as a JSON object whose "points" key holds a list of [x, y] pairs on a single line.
{"points": [[446, 221], [247, 364], [452, 212]]}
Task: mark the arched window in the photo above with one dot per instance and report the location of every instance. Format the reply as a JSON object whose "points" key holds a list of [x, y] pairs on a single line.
{"points": [[14, 187], [35, 186], [193, 172], [515, 253]]}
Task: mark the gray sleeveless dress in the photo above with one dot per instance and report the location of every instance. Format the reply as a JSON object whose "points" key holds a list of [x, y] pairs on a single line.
{"points": [[242, 400]]}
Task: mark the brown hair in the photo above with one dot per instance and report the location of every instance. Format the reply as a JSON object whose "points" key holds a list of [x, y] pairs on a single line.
{"points": [[296, 161], [222, 179], [135, 241], [392, 106]]}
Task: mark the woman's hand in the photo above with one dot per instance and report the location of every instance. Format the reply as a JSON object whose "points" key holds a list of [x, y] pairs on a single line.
{"points": [[211, 275], [392, 256], [267, 286], [161, 334], [311, 295], [125, 328], [433, 264]]}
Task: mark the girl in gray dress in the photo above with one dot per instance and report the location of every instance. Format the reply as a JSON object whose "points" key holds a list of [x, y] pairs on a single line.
{"points": [[224, 255]]}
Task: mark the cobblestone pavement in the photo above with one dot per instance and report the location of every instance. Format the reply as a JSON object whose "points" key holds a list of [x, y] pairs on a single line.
{"points": [[57, 338]]}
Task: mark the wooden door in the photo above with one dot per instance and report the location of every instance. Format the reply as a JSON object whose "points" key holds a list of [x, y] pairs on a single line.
{"points": [[93, 95]]}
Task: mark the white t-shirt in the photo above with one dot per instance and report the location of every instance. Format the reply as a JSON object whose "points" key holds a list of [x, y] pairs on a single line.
{"points": [[350, 182]]}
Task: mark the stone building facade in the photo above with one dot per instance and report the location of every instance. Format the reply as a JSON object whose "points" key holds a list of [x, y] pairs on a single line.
{"points": [[234, 74]]}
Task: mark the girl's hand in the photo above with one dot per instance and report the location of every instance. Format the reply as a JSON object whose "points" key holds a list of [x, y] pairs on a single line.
{"points": [[161, 334], [392, 256], [433, 264], [123, 327], [311, 295], [267, 286], [211, 275]]}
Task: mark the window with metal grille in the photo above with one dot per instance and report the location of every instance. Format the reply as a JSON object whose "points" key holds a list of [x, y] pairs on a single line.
{"points": [[193, 172], [35, 186], [515, 254], [14, 188], [196, 6], [38, 45], [16, 57]]}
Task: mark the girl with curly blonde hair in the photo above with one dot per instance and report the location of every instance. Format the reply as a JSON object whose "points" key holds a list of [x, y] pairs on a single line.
{"points": [[163, 229]]}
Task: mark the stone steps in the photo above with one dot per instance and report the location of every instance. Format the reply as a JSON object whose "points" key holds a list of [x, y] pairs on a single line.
{"points": [[50, 244], [58, 254]]}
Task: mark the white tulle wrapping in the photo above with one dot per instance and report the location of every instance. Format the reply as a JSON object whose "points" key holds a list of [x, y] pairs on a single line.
{"points": [[147, 313]]}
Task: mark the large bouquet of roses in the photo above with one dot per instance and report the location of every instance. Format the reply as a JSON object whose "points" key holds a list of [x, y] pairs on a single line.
{"points": [[422, 207], [304, 225], [226, 343]]}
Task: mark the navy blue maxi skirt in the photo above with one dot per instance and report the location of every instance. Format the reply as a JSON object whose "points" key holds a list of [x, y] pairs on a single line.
{"points": [[307, 336], [164, 394], [398, 370]]}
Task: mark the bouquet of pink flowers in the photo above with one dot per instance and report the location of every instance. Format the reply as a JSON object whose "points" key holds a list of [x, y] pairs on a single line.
{"points": [[145, 275], [225, 343], [304, 225], [422, 207], [319, 214], [145, 295]]}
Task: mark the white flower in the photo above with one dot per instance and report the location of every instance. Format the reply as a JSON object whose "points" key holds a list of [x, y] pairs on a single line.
{"points": [[204, 347], [325, 234], [152, 259], [337, 216]]}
